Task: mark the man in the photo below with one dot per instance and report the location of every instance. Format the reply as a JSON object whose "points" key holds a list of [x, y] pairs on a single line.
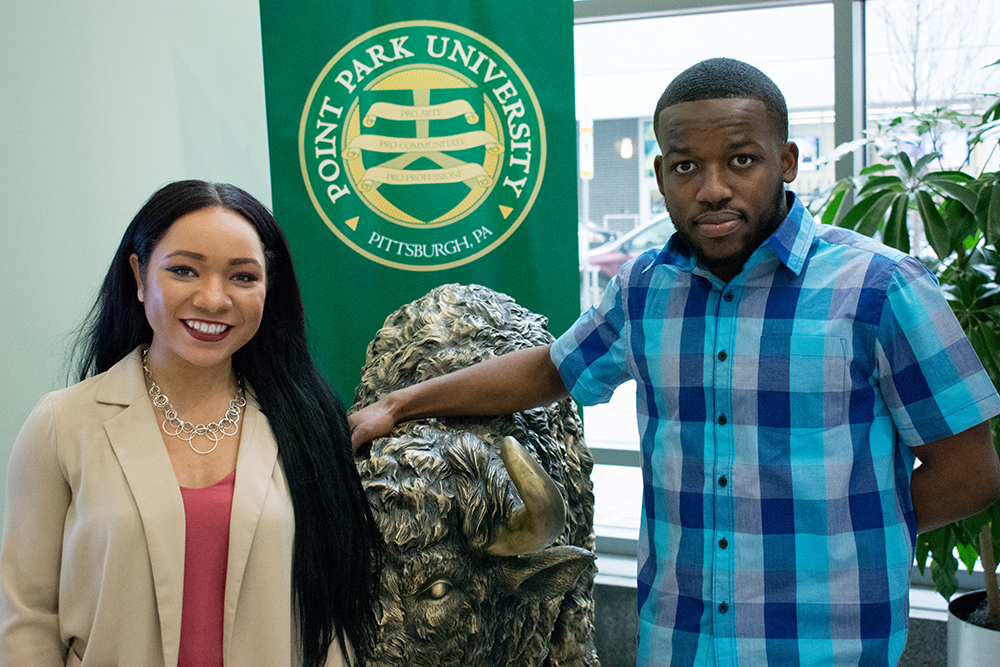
{"points": [[788, 376]]}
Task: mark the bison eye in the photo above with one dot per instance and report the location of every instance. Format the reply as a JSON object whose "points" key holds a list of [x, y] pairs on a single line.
{"points": [[438, 589]]}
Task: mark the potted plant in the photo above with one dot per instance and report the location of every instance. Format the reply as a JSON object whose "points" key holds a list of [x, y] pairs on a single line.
{"points": [[950, 219]]}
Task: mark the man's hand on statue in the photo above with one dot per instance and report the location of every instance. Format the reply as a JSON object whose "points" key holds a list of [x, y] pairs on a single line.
{"points": [[368, 423]]}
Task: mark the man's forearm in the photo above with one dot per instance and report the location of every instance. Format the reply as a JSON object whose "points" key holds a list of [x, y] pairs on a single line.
{"points": [[957, 477], [510, 383]]}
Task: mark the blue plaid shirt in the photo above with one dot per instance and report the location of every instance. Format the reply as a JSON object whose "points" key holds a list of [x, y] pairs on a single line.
{"points": [[775, 414]]}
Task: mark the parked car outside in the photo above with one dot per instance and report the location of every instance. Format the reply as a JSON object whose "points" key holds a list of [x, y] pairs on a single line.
{"points": [[609, 257], [594, 237]]}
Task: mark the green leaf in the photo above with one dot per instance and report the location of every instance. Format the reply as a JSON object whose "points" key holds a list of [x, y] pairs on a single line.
{"points": [[941, 542], [871, 221], [988, 126], [937, 231], [843, 149], [924, 161], [993, 214], [896, 233], [830, 213], [993, 513], [968, 555], [972, 525], [876, 168], [957, 191], [881, 184], [984, 204], [945, 580], [856, 212], [984, 342], [905, 166], [990, 293], [993, 113], [960, 221], [948, 175]]}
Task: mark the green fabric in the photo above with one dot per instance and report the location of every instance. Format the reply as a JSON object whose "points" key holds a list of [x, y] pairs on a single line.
{"points": [[411, 146]]}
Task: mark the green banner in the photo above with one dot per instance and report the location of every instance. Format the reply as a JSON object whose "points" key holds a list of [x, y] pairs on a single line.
{"points": [[414, 144]]}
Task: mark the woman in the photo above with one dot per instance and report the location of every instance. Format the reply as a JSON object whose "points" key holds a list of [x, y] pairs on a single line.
{"points": [[135, 534]]}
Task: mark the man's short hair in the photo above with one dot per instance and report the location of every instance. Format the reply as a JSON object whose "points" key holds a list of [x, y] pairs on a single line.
{"points": [[725, 78]]}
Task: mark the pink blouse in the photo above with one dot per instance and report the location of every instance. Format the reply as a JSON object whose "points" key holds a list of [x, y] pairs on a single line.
{"points": [[206, 550]]}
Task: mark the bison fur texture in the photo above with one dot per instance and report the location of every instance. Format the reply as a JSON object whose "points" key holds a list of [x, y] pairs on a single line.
{"points": [[464, 582]]}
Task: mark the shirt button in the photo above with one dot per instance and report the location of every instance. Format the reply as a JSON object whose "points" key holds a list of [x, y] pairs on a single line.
{"points": [[722, 420], [723, 543], [723, 608], [728, 296], [722, 355], [723, 481]]}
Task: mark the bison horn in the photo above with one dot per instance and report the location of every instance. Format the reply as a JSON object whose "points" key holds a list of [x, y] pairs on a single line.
{"points": [[541, 519]]}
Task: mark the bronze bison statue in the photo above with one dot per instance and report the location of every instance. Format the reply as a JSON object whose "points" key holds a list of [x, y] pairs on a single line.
{"points": [[487, 522]]}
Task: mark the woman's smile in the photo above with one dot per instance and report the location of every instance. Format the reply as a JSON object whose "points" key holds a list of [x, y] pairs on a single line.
{"points": [[207, 331]]}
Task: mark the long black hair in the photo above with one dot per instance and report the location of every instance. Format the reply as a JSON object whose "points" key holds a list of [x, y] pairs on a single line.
{"points": [[335, 562]]}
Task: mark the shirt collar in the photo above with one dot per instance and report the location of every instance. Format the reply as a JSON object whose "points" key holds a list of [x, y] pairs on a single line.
{"points": [[790, 242]]}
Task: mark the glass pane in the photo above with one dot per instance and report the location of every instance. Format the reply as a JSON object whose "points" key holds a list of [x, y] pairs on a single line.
{"points": [[612, 425], [618, 490], [923, 57], [930, 53]]}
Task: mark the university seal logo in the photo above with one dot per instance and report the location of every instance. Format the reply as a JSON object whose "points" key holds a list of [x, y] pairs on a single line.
{"points": [[422, 145]]}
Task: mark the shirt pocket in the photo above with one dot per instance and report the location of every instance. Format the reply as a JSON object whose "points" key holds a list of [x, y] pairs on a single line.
{"points": [[801, 383]]}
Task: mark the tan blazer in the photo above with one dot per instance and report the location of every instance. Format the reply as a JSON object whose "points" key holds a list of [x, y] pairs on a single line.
{"points": [[92, 564]]}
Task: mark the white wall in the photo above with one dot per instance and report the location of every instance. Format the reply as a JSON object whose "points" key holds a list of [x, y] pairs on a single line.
{"points": [[101, 103]]}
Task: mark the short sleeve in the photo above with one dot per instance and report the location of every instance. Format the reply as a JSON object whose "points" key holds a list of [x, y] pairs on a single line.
{"points": [[37, 501], [930, 377], [592, 356]]}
